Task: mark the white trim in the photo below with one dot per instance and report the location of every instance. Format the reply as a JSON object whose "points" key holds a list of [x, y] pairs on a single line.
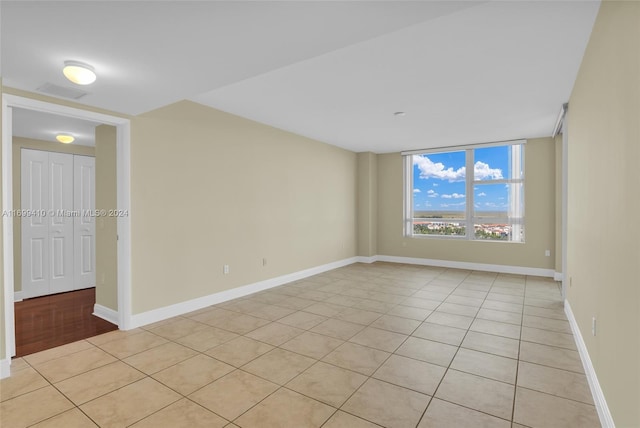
{"points": [[596, 391], [106, 314], [123, 183], [5, 368], [559, 121], [557, 276], [18, 296], [519, 270], [155, 315], [565, 197], [7, 229]]}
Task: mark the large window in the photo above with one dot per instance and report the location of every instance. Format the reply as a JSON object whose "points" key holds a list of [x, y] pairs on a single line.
{"points": [[467, 193]]}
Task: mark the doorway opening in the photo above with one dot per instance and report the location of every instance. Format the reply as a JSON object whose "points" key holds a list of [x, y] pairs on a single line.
{"points": [[118, 311]]}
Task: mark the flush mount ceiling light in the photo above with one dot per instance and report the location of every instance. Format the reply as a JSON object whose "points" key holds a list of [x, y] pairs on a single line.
{"points": [[79, 73], [65, 139]]}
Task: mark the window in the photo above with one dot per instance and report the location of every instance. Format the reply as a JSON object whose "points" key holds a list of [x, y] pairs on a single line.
{"points": [[442, 199]]}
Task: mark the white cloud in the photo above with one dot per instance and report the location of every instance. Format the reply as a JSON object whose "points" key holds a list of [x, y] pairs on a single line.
{"points": [[482, 194], [435, 184], [494, 205], [453, 196], [483, 171], [416, 190], [459, 204], [432, 194], [429, 169]]}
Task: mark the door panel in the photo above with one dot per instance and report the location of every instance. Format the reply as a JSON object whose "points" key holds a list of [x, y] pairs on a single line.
{"points": [[86, 248], [61, 222], [84, 224], [34, 198], [57, 262], [38, 268]]}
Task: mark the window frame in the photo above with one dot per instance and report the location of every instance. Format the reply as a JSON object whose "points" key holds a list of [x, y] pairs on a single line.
{"points": [[515, 213]]}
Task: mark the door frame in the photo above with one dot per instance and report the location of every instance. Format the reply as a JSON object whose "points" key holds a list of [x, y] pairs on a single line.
{"points": [[123, 161]]}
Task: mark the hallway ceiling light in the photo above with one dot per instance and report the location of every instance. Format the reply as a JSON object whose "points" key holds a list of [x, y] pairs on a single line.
{"points": [[65, 139], [79, 73]]}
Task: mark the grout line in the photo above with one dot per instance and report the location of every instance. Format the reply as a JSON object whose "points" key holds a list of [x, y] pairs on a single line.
{"points": [[515, 386], [435, 391], [373, 288]]}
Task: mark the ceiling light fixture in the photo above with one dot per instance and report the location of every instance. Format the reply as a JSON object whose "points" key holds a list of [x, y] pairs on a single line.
{"points": [[79, 73], [65, 139], [399, 113]]}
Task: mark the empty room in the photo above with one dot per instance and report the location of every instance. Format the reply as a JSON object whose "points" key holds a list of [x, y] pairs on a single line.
{"points": [[320, 214]]}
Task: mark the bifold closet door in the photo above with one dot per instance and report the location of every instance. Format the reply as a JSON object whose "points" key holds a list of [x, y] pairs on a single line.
{"points": [[47, 228], [84, 224], [58, 222]]}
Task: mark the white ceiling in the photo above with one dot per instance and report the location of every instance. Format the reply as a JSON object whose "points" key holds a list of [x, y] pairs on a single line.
{"points": [[335, 71], [45, 126]]}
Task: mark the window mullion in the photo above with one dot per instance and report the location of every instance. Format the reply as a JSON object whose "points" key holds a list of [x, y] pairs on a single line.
{"points": [[469, 179]]}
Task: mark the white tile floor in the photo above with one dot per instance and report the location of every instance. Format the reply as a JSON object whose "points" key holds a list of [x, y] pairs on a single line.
{"points": [[362, 346]]}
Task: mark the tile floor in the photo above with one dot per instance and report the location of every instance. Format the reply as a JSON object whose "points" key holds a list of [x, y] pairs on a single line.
{"points": [[362, 346]]}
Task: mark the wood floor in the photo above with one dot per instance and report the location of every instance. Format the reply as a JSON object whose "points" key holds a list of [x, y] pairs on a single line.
{"points": [[50, 321]]}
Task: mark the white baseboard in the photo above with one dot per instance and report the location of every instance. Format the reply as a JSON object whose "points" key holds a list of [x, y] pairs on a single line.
{"points": [[155, 315], [557, 276], [18, 296], [5, 368], [105, 313], [519, 270], [598, 396]]}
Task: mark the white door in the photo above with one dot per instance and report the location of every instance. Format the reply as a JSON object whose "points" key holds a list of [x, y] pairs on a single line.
{"points": [[60, 220], [84, 223], [35, 229]]}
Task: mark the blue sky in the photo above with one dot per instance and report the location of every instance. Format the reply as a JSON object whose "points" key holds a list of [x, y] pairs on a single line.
{"points": [[439, 180]]}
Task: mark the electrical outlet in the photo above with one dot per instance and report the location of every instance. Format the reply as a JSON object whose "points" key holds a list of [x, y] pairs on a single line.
{"points": [[225, 269], [547, 253], [593, 326]]}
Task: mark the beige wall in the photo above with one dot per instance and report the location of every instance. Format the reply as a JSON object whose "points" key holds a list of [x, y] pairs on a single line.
{"points": [[26, 143], [106, 227], [367, 204], [209, 188], [603, 204], [539, 217]]}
